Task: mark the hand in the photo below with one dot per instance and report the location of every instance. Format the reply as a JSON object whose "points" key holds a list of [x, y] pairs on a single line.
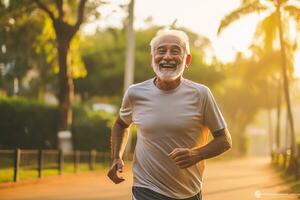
{"points": [[184, 157], [116, 167]]}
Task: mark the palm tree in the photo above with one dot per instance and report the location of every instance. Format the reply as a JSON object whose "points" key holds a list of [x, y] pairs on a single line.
{"points": [[272, 24], [278, 117], [129, 69]]}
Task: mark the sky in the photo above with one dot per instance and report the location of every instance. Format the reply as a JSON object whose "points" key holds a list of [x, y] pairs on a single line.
{"points": [[200, 16]]}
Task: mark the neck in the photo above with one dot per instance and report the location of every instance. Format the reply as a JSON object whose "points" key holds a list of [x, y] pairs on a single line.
{"points": [[167, 84]]}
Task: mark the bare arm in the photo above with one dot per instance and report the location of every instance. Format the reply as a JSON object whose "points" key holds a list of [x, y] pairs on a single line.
{"points": [[221, 143], [184, 157], [119, 137]]}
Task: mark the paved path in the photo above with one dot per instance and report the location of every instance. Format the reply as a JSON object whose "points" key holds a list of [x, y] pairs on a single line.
{"points": [[244, 179], [226, 180]]}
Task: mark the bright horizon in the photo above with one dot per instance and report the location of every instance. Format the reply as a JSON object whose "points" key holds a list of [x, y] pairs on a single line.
{"points": [[202, 17]]}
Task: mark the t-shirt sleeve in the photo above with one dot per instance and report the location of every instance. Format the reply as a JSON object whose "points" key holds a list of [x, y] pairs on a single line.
{"points": [[213, 117], [126, 108]]}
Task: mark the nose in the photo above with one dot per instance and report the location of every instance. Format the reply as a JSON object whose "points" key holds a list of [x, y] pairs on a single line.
{"points": [[168, 55]]}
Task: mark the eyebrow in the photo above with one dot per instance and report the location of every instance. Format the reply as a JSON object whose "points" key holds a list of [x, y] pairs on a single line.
{"points": [[172, 46]]}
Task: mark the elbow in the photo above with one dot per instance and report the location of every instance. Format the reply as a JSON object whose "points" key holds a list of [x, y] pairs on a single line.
{"points": [[224, 140], [120, 123], [228, 140], [227, 144]]}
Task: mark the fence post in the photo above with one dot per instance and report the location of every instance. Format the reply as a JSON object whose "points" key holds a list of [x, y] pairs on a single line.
{"points": [[92, 159], [284, 160], [76, 160], [102, 158], [17, 158], [40, 163], [297, 169], [60, 161], [107, 157]]}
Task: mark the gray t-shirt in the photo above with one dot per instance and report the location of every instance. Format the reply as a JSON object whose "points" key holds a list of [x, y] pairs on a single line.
{"points": [[178, 118]]}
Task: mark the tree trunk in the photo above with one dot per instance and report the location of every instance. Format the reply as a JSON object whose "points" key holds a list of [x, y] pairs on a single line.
{"points": [[129, 67], [66, 88], [277, 137], [64, 35], [286, 90], [270, 124]]}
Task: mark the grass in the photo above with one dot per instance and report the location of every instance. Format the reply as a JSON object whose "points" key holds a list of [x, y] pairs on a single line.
{"points": [[6, 174], [294, 185], [289, 178]]}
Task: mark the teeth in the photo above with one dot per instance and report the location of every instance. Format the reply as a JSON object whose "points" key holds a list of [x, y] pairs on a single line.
{"points": [[168, 65]]}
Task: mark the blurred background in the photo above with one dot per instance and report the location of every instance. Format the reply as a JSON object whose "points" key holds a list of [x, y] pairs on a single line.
{"points": [[64, 66]]}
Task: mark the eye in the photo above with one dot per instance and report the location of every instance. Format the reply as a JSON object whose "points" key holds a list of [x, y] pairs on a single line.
{"points": [[161, 51], [175, 51]]}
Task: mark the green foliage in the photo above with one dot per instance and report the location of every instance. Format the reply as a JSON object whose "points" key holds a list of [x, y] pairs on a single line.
{"points": [[91, 130], [45, 46], [19, 37], [29, 124], [244, 9], [245, 91], [254, 81], [104, 58], [29, 40]]}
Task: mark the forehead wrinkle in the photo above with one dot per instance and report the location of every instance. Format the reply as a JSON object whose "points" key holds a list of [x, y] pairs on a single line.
{"points": [[169, 39], [171, 45]]}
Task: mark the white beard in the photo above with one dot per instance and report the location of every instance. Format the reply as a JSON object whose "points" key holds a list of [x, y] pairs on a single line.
{"points": [[167, 74]]}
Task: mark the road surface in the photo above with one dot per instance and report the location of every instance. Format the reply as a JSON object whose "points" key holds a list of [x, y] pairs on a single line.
{"points": [[242, 179]]}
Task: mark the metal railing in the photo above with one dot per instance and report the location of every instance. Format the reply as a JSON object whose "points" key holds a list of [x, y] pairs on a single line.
{"points": [[38, 161]]}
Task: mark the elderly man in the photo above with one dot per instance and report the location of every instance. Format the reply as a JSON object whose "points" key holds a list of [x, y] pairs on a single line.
{"points": [[172, 115]]}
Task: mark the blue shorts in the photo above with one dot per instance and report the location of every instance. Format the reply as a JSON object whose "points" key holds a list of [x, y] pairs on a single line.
{"points": [[141, 193]]}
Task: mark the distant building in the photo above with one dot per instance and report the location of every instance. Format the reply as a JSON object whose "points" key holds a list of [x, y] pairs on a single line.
{"points": [[104, 107]]}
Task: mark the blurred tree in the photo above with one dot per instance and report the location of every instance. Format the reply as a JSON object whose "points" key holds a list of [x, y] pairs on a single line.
{"points": [[105, 62], [130, 46], [244, 92], [17, 54], [66, 20], [275, 21], [28, 47]]}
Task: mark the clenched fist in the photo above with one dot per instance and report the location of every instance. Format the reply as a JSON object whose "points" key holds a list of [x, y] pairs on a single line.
{"points": [[116, 167], [184, 157]]}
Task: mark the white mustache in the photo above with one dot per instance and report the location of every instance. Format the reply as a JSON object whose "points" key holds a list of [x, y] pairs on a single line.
{"points": [[168, 64]]}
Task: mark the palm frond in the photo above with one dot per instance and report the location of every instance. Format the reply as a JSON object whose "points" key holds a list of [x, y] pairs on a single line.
{"points": [[243, 10], [293, 11], [266, 32]]}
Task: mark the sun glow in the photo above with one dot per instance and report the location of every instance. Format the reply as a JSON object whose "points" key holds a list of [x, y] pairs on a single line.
{"points": [[297, 64], [202, 17]]}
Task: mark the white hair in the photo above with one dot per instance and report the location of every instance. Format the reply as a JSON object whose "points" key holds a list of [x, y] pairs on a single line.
{"points": [[178, 33]]}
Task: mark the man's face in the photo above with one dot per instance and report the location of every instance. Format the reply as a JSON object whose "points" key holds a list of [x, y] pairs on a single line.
{"points": [[169, 58]]}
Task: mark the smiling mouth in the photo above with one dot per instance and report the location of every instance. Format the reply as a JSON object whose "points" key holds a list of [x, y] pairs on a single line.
{"points": [[168, 65]]}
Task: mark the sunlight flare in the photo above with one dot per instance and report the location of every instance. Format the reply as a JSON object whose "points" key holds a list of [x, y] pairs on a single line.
{"points": [[297, 64]]}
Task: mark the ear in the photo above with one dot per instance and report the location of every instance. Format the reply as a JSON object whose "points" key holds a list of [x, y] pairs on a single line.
{"points": [[151, 60], [188, 60]]}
